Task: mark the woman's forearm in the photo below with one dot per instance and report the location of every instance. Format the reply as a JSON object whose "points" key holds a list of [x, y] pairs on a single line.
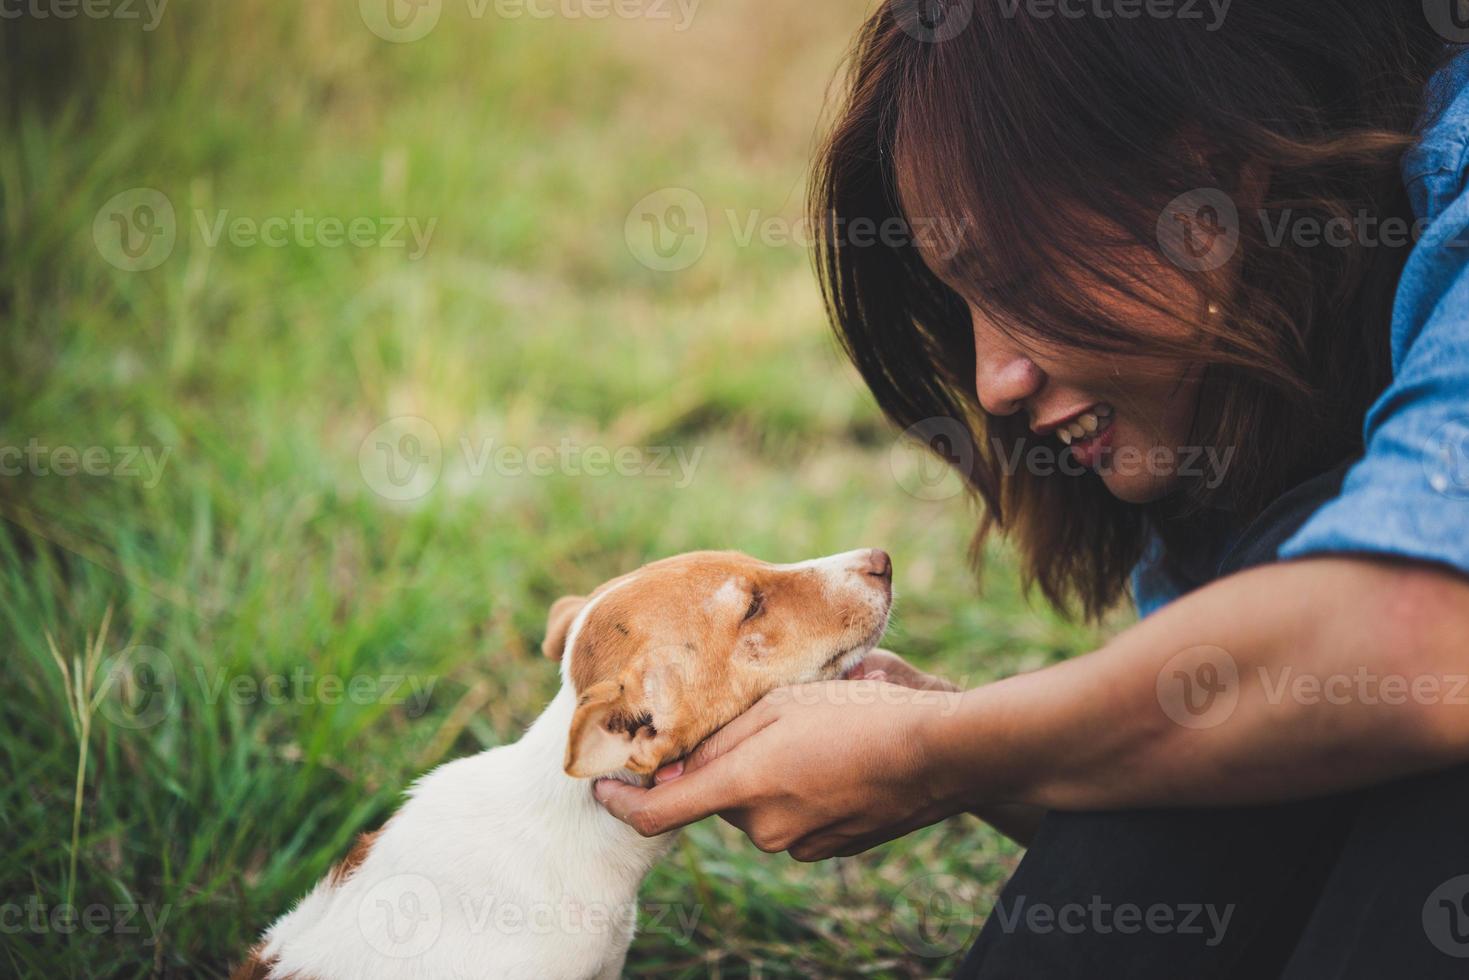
{"points": [[1282, 682]]}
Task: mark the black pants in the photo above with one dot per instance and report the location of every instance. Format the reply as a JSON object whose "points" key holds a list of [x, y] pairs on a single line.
{"points": [[1370, 884]]}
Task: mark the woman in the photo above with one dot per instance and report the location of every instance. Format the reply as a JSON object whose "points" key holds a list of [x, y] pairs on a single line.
{"points": [[1163, 239]]}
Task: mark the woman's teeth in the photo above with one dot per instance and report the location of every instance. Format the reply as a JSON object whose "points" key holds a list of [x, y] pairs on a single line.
{"points": [[1086, 425]]}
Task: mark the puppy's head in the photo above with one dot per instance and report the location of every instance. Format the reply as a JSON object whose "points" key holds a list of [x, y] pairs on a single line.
{"points": [[661, 658]]}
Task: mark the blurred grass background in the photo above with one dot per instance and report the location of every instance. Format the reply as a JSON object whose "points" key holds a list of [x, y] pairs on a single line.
{"points": [[262, 547]]}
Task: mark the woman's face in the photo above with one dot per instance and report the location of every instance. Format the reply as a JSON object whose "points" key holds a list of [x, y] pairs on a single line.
{"points": [[1126, 417]]}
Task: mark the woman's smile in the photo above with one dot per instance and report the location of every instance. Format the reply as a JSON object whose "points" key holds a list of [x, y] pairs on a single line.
{"points": [[1078, 426], [1089, 435]]}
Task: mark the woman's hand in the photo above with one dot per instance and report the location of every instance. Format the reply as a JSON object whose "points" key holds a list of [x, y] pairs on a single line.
{"points": [[818, 770]]}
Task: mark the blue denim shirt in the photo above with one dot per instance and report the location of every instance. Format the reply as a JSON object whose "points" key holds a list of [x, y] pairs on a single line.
{"points": [[1408, 496]]}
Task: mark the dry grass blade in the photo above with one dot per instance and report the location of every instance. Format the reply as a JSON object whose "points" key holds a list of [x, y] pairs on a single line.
{"points": [[81, 705]]}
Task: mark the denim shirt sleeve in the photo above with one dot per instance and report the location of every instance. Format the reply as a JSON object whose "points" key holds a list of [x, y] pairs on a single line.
{"points": [[1409, 495]]}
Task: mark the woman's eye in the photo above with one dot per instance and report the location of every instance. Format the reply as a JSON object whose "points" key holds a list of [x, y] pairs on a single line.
{"points": [[757, 602]]}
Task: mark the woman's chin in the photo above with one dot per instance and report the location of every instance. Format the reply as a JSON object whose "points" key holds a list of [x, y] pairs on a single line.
{"points": [[1137, 489]]}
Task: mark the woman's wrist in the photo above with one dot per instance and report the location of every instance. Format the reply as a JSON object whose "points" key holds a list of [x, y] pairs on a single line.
{"points": [[962, 743], [1018, 741]]}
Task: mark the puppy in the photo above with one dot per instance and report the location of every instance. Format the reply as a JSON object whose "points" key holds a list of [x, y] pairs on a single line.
{"points": [[502, 864]]}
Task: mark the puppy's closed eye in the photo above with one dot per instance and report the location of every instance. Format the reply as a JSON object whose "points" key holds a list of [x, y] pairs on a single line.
{"points": [[757, 603]]}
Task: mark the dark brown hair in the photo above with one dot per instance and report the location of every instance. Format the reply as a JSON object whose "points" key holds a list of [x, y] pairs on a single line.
{"points": [[1006, 131]]}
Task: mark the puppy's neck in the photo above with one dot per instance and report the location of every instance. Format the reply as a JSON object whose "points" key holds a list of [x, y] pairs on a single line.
{"points": [[551, 793]]}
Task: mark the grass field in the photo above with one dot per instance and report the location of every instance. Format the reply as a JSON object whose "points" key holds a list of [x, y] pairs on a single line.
{"points": [[199, 451]]}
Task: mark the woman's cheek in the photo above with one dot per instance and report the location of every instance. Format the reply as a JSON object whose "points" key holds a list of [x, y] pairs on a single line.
{"points": [[1139, 469]]}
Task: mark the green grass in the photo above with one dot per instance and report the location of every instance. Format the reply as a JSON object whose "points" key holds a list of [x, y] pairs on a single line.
{"points": [[262, 548]]}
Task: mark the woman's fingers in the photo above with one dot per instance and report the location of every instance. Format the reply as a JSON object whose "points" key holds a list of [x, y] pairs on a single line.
{"points": [[888, 666], [759, 715], [846, 839], [673, 804], [703, 784]]}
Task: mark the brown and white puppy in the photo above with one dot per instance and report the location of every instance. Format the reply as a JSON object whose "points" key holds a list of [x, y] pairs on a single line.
{"points": [[502, 864]]}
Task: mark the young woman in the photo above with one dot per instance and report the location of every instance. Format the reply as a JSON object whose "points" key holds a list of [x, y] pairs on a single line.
{"points": [[1197, 290]]}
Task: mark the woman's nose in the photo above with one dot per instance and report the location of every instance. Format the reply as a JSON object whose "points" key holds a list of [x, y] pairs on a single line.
{"points": [[1005, 379]]}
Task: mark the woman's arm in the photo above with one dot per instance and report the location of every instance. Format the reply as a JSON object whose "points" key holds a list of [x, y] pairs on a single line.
{"points": [[1286, 681]]}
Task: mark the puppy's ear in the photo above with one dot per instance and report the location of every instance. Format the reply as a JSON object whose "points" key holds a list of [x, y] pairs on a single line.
{"points": [[558, 624], [609, 733]]}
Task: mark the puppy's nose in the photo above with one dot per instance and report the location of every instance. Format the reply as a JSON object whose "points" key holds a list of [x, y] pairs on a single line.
{"points": [[879, 565]]}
